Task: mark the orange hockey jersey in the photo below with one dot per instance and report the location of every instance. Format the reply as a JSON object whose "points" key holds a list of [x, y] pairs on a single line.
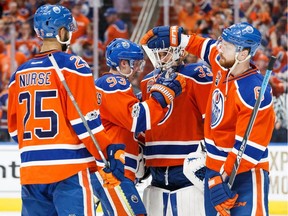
{"points": [[123, 115], [118, 29], [181, 130], [228, 112], [53, 141]]}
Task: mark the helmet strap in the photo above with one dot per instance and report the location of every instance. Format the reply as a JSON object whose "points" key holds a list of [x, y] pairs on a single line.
{"points": [[238, 62], [67, 43], [125, 75]]}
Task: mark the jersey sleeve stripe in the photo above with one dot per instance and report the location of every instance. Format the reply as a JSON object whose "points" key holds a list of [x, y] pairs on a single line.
{"points": [[13, 134], [249, 142], [94, 131], [216, 157], [140, 118], [148, 117], [79, 127], [203, 49]]}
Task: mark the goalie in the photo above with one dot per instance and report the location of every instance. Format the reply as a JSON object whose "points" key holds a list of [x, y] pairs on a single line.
{"points": [[178, 134]]}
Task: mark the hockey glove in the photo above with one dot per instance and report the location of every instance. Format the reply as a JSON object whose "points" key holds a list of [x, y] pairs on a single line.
{"points": [[166, 89], [221, 196], [114, 174], [162, 37]]}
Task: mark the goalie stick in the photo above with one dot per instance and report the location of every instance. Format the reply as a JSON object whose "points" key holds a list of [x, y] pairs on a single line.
{"points": [[118, 188], [251, 121]]}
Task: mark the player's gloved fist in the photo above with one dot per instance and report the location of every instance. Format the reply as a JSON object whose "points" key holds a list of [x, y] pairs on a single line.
{"points": [[166, 89], [162, 37], [221, 196], [114, 174]]}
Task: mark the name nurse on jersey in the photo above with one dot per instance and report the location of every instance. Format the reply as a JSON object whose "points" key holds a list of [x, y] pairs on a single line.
{"points": [[30, 79], [217, 107]]}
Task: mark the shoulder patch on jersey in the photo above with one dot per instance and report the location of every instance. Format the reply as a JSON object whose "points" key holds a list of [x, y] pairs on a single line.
{"points": [[248, 90], [135, 110], [92, 115]]}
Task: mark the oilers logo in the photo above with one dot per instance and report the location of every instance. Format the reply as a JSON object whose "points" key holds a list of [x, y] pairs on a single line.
{"points": [[217, 107]]}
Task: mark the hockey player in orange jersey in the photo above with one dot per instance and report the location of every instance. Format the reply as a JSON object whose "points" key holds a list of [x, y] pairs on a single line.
{"points": [[123, 115], [57, 153], [117, 28], [178, 134], [235, 88]]}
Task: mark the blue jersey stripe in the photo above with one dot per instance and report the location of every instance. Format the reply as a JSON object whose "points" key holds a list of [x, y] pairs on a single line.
{"points": [[55, 154], [172, 150]]}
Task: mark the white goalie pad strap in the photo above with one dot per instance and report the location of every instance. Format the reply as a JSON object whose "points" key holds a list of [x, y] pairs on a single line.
{"points": [[185, 201], [193, 163]]}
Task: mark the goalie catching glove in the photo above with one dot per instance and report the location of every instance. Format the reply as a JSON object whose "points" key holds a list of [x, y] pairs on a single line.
{"points": [[162, 37], [221, 196], [114, 174], [166, 89]]}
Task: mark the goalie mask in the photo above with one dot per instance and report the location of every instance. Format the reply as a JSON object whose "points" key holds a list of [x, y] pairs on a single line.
{"points": [[167, 57]]}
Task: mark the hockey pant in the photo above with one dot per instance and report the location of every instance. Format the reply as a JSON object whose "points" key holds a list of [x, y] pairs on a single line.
{"points": [[119, 201], [252, 188], [187, 201], [71, 196]]}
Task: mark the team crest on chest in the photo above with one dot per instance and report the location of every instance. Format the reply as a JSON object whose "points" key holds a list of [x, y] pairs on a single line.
{"points": [[217, 108]]}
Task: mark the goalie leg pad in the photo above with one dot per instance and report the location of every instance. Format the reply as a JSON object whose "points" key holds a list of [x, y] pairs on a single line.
{"points": [[123, 199], [185, 201]]}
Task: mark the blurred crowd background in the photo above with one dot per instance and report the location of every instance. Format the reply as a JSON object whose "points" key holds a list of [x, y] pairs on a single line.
{"points": [[117, 18]]}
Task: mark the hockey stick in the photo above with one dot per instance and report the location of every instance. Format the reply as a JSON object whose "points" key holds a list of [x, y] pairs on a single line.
{"points": [[251, 121], [63, 81]]}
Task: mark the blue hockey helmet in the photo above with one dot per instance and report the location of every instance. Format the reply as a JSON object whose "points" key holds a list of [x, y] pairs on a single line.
{"points": [[48, 19], [243, 35], [122, 49]]}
